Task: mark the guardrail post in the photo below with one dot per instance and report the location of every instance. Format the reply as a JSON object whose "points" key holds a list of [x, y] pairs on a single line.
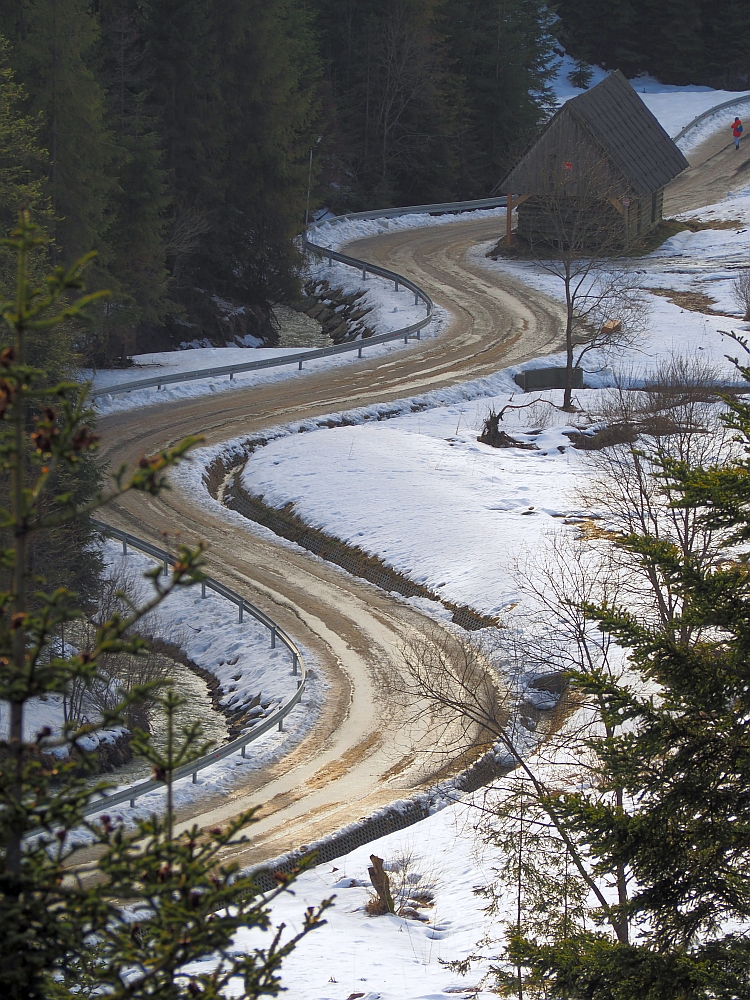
{"points": [[294, 664], [124, 546], [300, 366], [132, 803], [195, 777], [359, 352], [273, 638], [419, 334], [395, 284], [203, 588], [244, 748], [406, 338], [281, 725], [364, 272], [416, 299], [330, 260], [231, 376], [166, 567], [240, 611]]}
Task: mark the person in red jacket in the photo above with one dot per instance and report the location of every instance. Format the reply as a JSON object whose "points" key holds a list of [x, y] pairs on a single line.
{"points": [[736, 132]]}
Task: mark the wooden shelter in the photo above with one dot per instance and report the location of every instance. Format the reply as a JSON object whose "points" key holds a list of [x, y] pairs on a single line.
{"points": [[602, 158]]}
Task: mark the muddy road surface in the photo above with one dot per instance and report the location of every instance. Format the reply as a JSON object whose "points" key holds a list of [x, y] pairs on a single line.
{"points": [[360, 754]]}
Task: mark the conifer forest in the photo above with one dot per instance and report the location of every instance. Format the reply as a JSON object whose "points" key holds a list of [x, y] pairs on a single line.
{"points": [[174, 137]]}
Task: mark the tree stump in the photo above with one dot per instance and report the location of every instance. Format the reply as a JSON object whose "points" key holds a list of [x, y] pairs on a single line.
{"points": [[381, 884]]}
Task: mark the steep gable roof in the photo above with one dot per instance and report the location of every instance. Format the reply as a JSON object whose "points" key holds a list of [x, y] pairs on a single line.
{"points": [[622, 127], [629, 132]]}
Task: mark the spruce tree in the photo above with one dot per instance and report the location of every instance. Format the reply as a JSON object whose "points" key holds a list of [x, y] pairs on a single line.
{"points": [[24, 163], [682, 756], [504, 52], [397, 97], [52, 50], [154, 903], [608, 33], [141, 203], [271, 117]]}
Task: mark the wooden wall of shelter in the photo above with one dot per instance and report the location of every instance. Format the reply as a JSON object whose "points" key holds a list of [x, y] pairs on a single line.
{"points": [[602, 160]]}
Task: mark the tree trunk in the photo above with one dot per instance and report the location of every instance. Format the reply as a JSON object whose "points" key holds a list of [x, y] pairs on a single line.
{"points": [[568, 395]]}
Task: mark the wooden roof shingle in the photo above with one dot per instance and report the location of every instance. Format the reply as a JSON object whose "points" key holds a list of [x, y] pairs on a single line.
{"points": [[625, 130]]}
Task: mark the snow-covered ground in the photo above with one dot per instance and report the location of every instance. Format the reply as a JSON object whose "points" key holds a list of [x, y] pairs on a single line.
{"points": [[674, 107], [446, 511], [458, 516], [390, 957], [452, 513], [238, 654]]}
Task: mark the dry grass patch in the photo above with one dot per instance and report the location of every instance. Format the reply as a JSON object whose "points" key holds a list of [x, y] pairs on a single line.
{"points": [[692, 301]]}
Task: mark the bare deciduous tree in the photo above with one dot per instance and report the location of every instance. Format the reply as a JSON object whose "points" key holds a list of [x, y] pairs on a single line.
{"points": [[580, 241], [676, 421], [465, 682], [121, 673], [741, 292]]}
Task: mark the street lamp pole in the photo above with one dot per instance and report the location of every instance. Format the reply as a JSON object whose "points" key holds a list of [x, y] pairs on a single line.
{"points": [[309, 181]]}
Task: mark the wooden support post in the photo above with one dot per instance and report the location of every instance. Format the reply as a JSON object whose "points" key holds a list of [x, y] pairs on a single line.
{"points": [[509, 220]]}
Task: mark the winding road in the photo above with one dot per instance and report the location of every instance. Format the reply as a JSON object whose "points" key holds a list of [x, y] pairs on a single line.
{"points": [[358, 756]]}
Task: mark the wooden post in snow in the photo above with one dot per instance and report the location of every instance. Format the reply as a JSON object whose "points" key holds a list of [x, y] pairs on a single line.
{"points": [[508, 220]]}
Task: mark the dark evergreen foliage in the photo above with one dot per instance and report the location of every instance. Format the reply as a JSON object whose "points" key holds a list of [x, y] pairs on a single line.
{"points": [[678, 41], [178, 137], [504, 53], [154, 903]]}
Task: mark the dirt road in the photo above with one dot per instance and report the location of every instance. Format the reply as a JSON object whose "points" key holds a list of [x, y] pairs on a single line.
{"points": [[716, 168], [358, 757]]}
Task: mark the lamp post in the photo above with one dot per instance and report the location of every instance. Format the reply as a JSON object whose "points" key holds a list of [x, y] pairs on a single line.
{"points": [[309, 180]]}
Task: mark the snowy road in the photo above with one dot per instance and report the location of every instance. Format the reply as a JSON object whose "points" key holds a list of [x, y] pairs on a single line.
{"points": [[357, 757]]}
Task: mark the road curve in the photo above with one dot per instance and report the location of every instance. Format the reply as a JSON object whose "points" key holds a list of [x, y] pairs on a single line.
{"points": [[358, 756], [716, 169]]}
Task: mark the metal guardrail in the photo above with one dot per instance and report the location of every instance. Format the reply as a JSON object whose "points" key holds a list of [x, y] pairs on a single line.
{"points": [[742, 99], [276, 719], [356, 345]]}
